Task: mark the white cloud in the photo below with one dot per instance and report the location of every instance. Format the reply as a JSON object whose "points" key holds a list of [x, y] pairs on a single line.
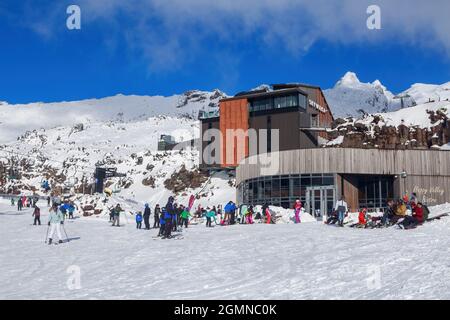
{"points": [[168, 32]]}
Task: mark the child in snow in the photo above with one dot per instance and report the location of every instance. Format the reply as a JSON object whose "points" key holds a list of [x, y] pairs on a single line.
{"points": [[37, 215], [362, 218], [162, 223], [139, 220], [297, 210], [249, 215], [55, 219]]}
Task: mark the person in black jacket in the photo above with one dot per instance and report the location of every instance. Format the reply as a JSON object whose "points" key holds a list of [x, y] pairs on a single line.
{"points": [[157, 216], [147, 213], [168, 217]]}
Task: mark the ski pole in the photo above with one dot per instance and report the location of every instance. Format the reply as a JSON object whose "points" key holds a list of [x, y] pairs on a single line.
{"points": [[64, 228]]}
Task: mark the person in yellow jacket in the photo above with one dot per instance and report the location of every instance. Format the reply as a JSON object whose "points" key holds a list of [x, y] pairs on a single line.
{"points": [[401, 209]]}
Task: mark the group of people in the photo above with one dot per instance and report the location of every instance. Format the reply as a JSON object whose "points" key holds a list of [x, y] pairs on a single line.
{"points": [[173, 217], [396, 213], [25, 202]]}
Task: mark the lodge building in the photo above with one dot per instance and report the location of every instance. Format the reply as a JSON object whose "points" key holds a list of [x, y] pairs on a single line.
{"points": [[300, 167]]}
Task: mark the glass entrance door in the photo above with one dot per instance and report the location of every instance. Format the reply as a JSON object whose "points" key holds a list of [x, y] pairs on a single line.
{"points": [[320, 201]]}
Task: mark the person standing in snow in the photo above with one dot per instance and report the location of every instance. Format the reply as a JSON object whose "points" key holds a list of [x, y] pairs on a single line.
{"points": [[210, 215], [48, 201], [249, 215], [55, 220], [117, 211], [157, 216], [147, 213], [297, 210], [168, 217], [139, 220], [19, 204], [342, 209], [12, 202], [37, 215], [162, 223], [185, 217], [174, 217], [71, 210]]}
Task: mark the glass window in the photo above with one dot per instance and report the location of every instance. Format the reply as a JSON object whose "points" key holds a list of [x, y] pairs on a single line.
{"points": [[275, 188]]}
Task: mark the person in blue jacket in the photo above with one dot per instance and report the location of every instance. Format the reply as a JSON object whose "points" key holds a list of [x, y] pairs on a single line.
{"points": [[162, 222], [168, 217], [230, 212], [139, 220]]}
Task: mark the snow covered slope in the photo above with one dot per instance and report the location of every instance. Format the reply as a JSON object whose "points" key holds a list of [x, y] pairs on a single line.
{"points": [[16, 119], [286, 261], [423, 93]]}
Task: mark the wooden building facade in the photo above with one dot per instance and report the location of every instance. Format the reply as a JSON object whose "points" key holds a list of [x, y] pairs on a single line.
{"points": [[365, 177]]}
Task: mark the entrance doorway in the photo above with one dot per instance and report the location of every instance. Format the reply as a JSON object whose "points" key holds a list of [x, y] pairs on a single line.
{"points": [[320, 201]]}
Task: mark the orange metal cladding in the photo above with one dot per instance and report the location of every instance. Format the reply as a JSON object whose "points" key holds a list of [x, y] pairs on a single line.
{"points": [[233, 115]]}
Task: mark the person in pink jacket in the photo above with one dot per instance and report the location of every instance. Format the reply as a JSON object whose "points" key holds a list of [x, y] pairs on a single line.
{"points": [[297, 210]]}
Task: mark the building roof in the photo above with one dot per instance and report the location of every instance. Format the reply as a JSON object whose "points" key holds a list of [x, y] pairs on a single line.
{"points": [[261, 94]]}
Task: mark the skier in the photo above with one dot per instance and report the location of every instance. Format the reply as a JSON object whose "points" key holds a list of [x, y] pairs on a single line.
{"points": [[147, 213], [168, 217], [12, 202], [297, 210], [174, 217], [48, 201], [139, 220], [185, 217], [37, 215], [71, 209], [162, 222], [157, 216], [117, 211], [19, 204], [210, 214], [55, 220], [230, 210], [342, 209]]}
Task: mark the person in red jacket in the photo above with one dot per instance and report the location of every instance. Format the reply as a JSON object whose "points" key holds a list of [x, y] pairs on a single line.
{"points": [[418, 213], [362, 217]]}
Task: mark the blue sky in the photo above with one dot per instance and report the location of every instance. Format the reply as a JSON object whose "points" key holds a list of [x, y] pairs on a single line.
{"points": [[151, 47]]}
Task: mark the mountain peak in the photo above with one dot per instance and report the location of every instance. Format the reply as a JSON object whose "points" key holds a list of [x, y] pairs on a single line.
{"points": [[349, 78]]}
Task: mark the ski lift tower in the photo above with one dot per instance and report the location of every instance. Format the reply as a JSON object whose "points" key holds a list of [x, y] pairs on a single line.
{"points": [[402, 98], [103, 173]]}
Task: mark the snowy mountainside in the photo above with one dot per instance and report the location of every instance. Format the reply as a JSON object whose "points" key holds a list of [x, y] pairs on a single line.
{"points": [[17, 119], [68, 155], [351, 97], [423, 93]]}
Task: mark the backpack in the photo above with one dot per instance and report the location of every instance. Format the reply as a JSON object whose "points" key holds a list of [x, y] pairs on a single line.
{"points": [[426, 212]]}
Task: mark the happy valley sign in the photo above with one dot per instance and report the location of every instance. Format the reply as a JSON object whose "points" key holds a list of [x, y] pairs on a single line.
{"points": [[429, 195]]}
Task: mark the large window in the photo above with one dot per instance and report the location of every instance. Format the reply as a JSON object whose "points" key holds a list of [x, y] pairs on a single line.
{"points": [[281, 190], [374, 191], [289, 101]]}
